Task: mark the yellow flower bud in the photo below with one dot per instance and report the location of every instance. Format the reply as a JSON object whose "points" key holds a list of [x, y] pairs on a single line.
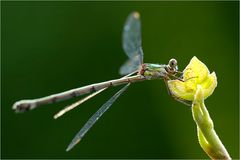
{"points": [[196, 73]]}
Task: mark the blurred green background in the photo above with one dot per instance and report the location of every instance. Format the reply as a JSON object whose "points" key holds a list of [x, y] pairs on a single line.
{"points": [[49, 47]]}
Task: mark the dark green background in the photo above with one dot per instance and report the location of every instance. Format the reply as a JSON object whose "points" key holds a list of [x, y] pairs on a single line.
{"points": [[49, 47]]}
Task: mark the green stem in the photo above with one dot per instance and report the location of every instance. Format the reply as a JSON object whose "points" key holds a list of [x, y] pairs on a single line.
{"points": [[207, 136]]}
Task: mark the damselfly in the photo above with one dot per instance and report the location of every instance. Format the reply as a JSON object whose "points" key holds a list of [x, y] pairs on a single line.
{"points": [[134, 69]]}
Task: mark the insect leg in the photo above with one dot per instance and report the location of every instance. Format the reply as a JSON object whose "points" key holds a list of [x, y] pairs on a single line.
{"points": [[186, 102]]}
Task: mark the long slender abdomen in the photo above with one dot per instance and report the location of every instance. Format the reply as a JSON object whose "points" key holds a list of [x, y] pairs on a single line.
{"points": [[25, 105]]}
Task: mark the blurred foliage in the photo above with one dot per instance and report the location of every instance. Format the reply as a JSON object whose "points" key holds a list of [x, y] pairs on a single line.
{"points": [[49, 47]]}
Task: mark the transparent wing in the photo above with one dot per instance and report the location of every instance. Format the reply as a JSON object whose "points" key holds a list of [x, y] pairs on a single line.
{"points": [[94, 118], [129, 66], [132, 42]]}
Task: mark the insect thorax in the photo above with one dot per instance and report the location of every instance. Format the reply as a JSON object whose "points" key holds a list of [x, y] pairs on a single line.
{"points": [[152, 71]]}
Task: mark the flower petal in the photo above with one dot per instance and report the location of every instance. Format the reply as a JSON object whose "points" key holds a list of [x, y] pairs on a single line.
{"points": [[181, 90], [209, 85], [196, 69]]}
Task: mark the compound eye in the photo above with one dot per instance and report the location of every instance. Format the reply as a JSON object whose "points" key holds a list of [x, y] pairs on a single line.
{"points": [[172, 63]]}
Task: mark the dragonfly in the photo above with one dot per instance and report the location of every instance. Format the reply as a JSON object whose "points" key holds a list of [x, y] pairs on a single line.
{"points": [[133, 70]]}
